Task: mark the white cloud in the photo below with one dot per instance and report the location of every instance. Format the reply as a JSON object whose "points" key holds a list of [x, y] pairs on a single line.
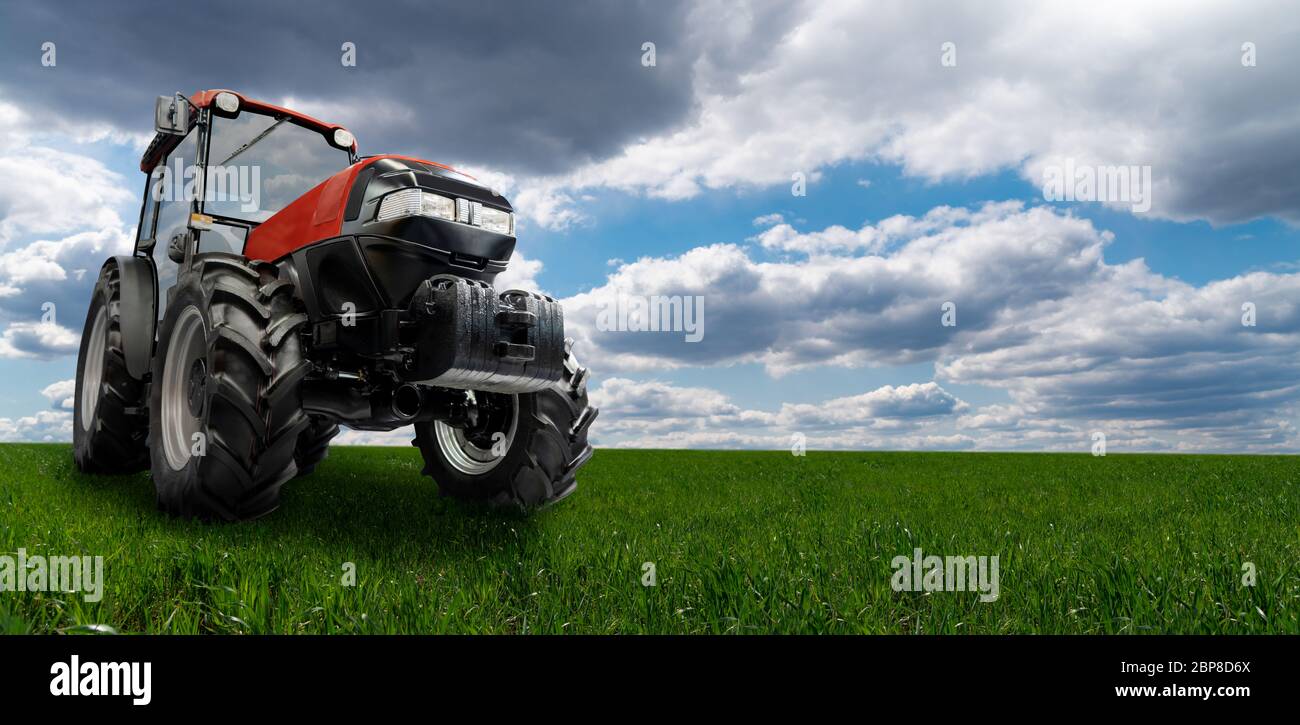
{"points": [[75, 257], [521, 274], [995, 262], [640, 419], [625, 398], [38, 340], [60, 394], [837, 239], [351, 437], [45, 426], [656, 414], [59, 273], [45, 191], [1134, 348], [918, 400]]}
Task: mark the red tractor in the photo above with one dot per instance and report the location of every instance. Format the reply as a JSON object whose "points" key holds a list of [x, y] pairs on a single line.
{"points": [[281, 286]]}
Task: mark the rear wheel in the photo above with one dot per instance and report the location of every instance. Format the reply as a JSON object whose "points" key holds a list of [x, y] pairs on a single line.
{"points": [[225, 407], [110, 425], [524, 450]]}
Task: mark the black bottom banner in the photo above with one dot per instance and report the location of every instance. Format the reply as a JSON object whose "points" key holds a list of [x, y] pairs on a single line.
{"points": [[934, 674]]}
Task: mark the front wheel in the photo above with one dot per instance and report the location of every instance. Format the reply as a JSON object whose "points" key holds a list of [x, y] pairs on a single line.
{"points": [[523, 452]]}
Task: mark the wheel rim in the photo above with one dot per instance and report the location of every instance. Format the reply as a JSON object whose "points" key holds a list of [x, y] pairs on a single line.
{"points": [[92, 373], [183, 387], [468, 457]]}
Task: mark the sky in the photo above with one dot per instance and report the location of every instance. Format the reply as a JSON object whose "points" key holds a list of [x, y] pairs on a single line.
{"points": [[856, 195]]}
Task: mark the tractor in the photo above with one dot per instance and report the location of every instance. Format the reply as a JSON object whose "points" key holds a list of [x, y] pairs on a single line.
{"points": [[283, 286]]}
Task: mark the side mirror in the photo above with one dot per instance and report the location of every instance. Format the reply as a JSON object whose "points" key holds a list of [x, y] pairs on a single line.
{"points": [[176, 248], [171, 115]]}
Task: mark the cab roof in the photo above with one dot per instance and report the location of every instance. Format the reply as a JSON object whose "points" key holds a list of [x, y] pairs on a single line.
{"points": [[162, 143]]}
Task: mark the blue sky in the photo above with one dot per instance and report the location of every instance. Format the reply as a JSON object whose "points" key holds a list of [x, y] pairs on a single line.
{"points": [[822, 311]]}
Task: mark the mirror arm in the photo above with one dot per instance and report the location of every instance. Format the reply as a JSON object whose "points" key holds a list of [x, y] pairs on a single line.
{"points": [[187, 100]]}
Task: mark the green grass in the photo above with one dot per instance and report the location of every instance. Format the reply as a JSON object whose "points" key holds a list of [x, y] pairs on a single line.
{"points": [[742, 542]]}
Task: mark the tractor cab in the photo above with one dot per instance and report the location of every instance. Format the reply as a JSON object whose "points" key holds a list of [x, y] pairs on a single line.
{"points": [[222, 164]]}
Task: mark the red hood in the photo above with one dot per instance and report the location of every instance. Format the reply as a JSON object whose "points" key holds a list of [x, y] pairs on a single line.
{"points": [[316, 215]]}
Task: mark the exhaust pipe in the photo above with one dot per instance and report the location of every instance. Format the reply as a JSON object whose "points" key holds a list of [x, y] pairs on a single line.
{"points": [[407, 402], [385, 410]]}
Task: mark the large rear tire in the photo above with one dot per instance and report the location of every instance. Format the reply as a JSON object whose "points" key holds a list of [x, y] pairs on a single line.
{"points": [[526, 455], [110, 424], [225, 407]]}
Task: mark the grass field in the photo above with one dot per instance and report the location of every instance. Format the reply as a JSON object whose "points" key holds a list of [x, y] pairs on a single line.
{"points": [[741, 542]]}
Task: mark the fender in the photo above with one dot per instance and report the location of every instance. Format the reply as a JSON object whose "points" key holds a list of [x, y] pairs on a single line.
{"points": [[137, 298]]}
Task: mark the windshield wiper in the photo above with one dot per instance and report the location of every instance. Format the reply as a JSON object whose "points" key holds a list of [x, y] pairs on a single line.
{"points": [[255, 139]]}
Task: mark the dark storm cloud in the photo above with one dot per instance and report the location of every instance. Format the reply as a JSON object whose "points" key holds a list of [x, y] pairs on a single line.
{"points": [[531, 87]]}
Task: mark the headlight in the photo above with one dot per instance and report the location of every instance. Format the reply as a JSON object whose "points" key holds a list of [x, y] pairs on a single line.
{"points": [[495, 220], [414, 202], [227, 102], [417, 202], [436, 205], [343, 138]]}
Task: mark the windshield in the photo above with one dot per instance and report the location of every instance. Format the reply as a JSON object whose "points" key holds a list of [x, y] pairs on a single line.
{"points": [[257, 164]]}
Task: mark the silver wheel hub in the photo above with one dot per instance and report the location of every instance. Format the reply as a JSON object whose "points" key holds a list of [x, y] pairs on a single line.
{"points": [[471, 458], [184, 387], [92, 371]]}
